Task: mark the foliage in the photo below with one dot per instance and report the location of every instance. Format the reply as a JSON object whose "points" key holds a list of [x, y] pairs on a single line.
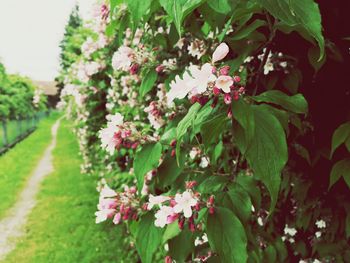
{"points": [[204, 109], [19, 97]]}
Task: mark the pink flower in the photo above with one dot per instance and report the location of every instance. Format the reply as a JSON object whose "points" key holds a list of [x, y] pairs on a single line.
{"points": [[201, 78], [156, 200], [220, 52], [117, 218], [123, 58], [162, 216], [184, 203], [224, 83]]}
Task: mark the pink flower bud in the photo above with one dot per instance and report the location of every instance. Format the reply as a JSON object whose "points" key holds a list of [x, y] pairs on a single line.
{"points": [[236, 79], [173, 143], [211, 210], [134, 69], [190, 184], [173, 152], [213, 70], [159, 69], [227, 98], [181, 223], [216, 91], [168, 259], [229, 113], [220, 52], [134, 145], [225, 70]]}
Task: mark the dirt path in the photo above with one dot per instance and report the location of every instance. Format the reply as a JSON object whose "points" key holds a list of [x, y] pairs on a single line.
{"points": [[12, 226]]}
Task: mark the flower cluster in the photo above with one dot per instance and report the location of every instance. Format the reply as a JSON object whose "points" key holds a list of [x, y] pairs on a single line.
{"points": [[117, 134], [199, 83], [183, 206], [119, 206]]}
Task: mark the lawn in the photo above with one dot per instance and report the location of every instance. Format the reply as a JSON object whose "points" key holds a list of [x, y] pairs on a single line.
{"points": [[61, 228], [18, 163]]}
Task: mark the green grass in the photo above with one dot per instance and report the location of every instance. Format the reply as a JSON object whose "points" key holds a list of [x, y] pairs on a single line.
{"points": [[61, 228], [18, 163]]}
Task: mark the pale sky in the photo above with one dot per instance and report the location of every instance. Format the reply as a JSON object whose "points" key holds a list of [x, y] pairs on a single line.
{"points": [[30, 33]]}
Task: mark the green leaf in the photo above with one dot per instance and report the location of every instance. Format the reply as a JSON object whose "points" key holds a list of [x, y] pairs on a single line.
{"points": [[250, 185], [213, 128], [148, 81], [181, 246], [179, 9], [145, 160], [168, 136], [243, 113], [226, 236], [246, 30], [313, 54], [138, 9], [241, 203], [340, 169], [149, 238], [212, 184], [169, 170], [217, 151], [220, 6], [187, 121], [267, 154], [303, 13], [296, 103], [340, 136], [171, 231]]}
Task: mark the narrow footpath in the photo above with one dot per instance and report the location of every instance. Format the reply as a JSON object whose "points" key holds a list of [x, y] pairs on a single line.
{"points": [[12, 226]]}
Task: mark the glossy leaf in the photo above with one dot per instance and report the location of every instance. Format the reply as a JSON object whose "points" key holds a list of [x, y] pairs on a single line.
{"points": [[148, 81], [148, 239], [295, 103], [340, 136], [340, 169], [146, 160], [226, 236]]}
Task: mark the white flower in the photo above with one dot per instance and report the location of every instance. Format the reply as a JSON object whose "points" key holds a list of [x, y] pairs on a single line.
{"points": [[106, 135], [316, 261], [196, 49], [248, 59], [320, 223], [162, 216], [201, 78], [103, 215], [260, 221], [224, 83], [194, 152], [123, 58], [184, 203], [318, 234], [179, 88], [220, 52], [156, 200], [268, 67], [204, 162], [289, 231], [92, 68], [107, 192]]}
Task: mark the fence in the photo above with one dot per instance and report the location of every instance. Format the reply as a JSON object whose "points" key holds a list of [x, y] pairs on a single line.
{"points": [[13, 131]]}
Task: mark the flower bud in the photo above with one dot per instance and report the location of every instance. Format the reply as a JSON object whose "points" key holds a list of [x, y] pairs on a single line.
{"points": [[225, 70], [236, 79], [168, 259], [220, 52], [159, 69], [216, 91], [211, 210], [227, 98]]}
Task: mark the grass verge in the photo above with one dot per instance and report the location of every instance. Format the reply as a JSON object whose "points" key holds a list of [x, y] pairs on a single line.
{"points": [[61, 227], [18, 163]]}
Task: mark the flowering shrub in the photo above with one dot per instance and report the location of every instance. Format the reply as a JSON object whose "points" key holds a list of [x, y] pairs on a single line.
{"points": [[192, 118]]}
